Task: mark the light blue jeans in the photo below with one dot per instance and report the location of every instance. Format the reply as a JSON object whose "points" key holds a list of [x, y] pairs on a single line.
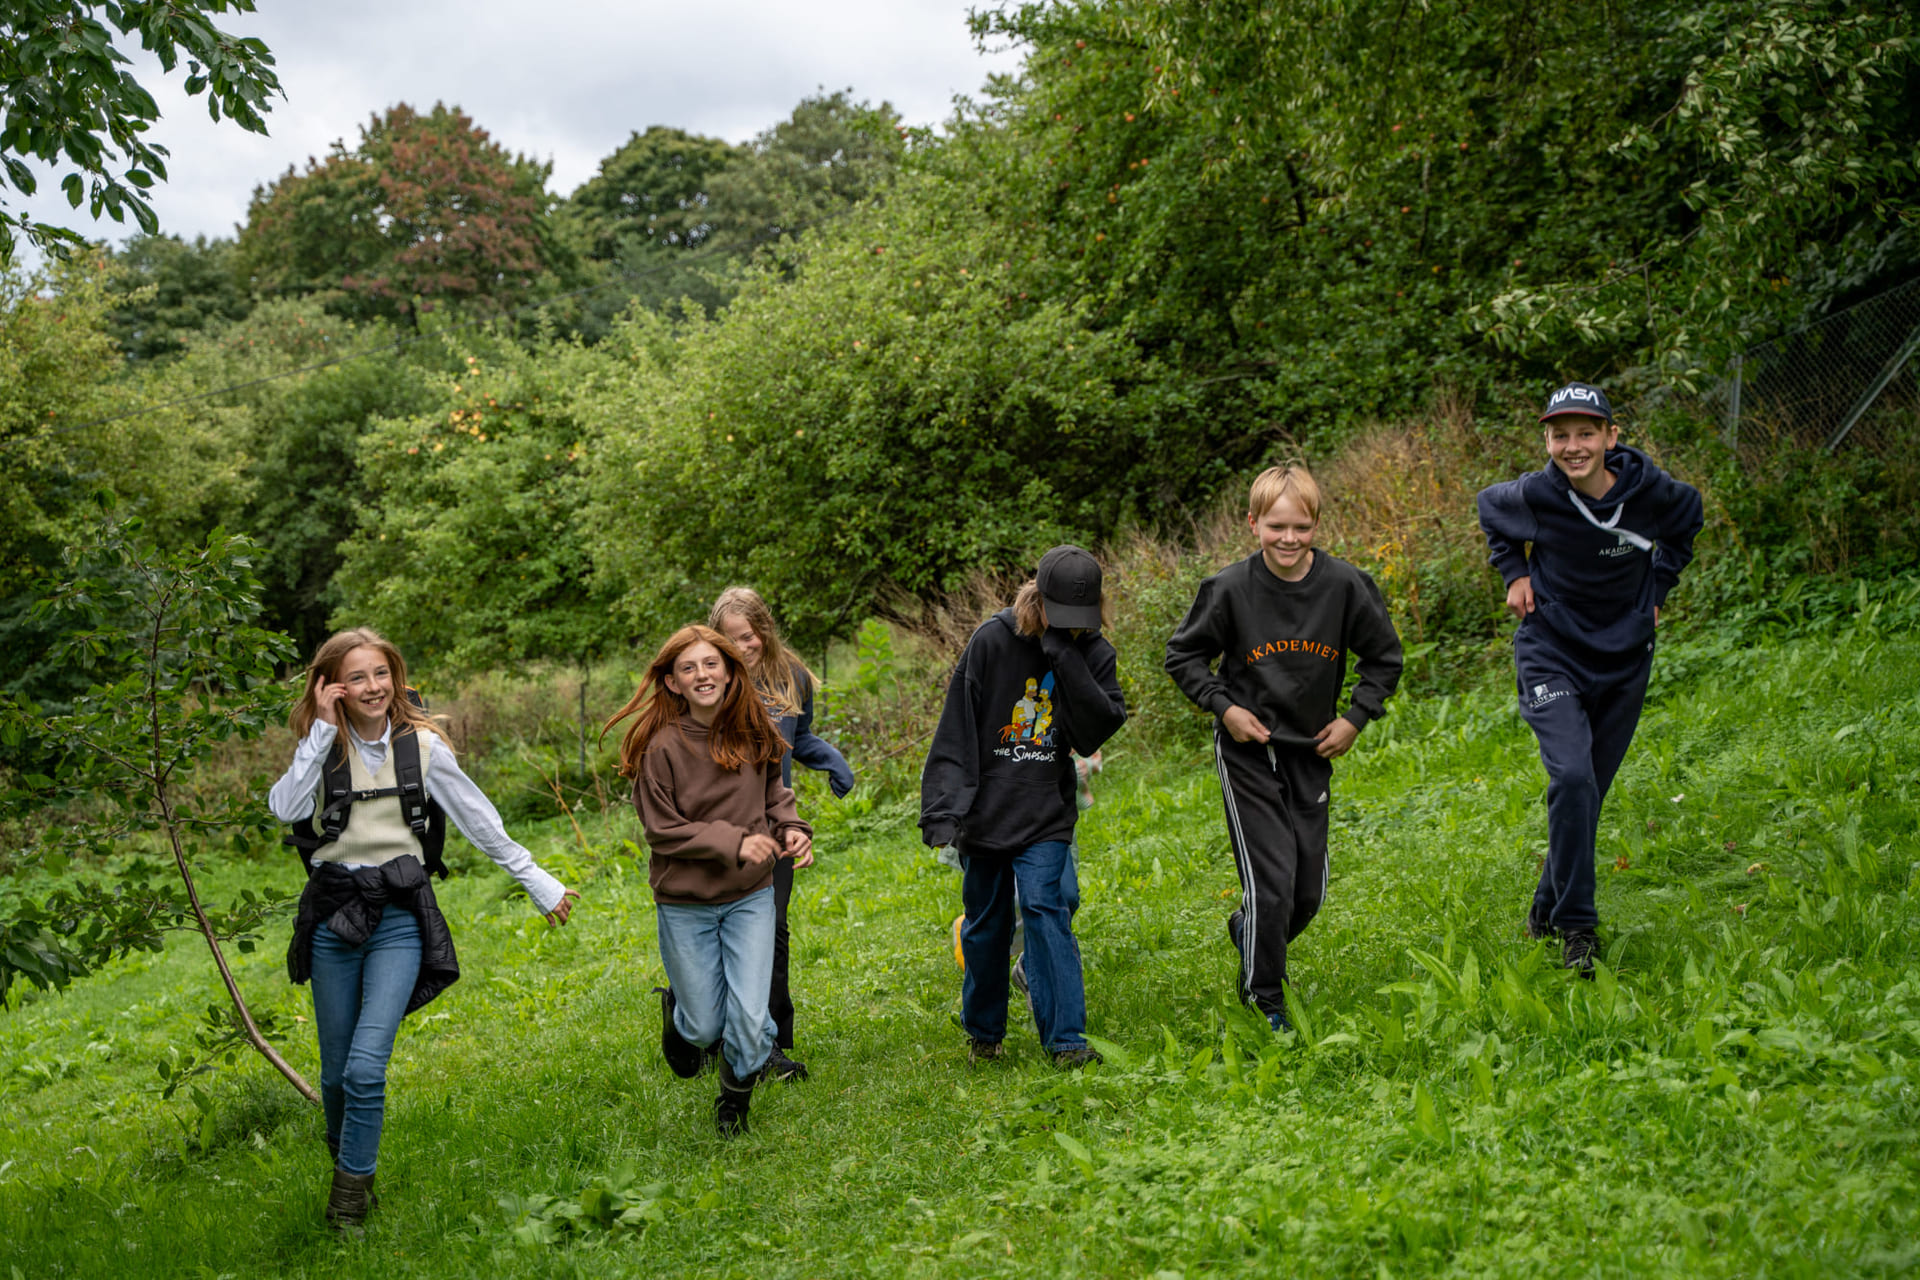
{"points": [[359, 995], [719, 963]]}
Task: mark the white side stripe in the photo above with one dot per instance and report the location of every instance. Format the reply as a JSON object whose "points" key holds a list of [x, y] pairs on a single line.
{"points": [[1249, 914]]}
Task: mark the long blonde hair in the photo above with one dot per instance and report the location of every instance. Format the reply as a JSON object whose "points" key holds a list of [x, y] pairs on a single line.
{"points": [[742, 732], [778, 674], [325, 664]]}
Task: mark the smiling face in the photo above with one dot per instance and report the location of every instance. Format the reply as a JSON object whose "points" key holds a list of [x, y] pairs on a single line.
{"points": [[700, 676], [1578, 445], [1285, 531], [369, 682], [735, 627]]}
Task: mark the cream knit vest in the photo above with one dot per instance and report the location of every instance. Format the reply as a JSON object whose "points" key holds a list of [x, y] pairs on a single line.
{"points": [[376, 830]]}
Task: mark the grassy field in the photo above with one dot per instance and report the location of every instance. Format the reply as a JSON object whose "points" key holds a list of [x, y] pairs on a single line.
{"points": [[1735, 1095]]}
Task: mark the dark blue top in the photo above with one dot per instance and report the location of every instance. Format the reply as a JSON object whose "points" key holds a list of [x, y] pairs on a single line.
{"points": [[806, 746], [1600, 566]]}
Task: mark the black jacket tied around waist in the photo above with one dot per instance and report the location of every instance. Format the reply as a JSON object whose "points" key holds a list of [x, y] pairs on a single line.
{"points": [[351, 904]]}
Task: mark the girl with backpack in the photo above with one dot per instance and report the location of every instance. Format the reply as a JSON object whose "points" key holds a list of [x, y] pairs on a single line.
{"points": [[704, 757], [369, 774], [786, 686]]}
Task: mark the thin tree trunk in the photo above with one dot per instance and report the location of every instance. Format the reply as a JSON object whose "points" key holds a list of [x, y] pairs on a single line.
{"points": [[259, 1041]]}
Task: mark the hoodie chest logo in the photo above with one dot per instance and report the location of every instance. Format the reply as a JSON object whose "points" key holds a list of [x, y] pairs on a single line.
{"points": [[1028, 734]]}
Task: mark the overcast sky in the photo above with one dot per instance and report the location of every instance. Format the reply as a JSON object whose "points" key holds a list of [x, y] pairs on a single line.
{"points": [[561, 80]]}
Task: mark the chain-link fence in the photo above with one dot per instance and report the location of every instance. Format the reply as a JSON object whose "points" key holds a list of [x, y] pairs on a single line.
{"points": [[1850, 381]]}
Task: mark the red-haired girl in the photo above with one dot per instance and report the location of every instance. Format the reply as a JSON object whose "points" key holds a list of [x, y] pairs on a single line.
{"points": [[369, 768], [704, 757], [786, 686]]}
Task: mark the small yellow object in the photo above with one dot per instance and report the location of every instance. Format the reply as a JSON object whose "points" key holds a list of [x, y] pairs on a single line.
{"points": [[959, 957]]}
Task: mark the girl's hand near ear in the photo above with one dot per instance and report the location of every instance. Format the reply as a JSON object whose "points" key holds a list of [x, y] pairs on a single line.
{"points": [[800, 849], [326, 697], [758, 850], [558, 916]]}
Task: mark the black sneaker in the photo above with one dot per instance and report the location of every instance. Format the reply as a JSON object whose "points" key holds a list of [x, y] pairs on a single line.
{"points": [[1579, 950], [984, 1051], [682, 1055], [1538, 926], [1077, 1057], [730, 1108], [781, 1067]]}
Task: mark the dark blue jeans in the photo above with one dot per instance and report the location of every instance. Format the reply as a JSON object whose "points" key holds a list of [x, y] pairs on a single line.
{"points": [[1049, 892], [1584, 720], [359, 995]]}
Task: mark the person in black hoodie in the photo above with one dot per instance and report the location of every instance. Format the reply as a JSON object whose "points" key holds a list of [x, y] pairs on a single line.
{"points": [[1282, 622], [1036, 684], [1589, 547]]}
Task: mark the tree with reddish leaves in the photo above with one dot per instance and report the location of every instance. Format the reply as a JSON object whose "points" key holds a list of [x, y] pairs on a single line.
{"points": [[427, 209]]}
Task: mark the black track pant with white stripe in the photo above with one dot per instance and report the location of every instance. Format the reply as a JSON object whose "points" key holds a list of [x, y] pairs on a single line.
{"points": [[1276, 803]]}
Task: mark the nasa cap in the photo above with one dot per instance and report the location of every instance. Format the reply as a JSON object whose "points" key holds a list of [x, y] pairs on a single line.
{"points": [[1578, 397], [1069, 580]]}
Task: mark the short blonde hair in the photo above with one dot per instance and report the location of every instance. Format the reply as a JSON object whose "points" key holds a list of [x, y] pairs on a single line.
{"points": [[1276, 483]]}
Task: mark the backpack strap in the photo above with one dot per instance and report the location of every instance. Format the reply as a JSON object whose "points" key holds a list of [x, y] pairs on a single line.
{"points": [[425, 818]]}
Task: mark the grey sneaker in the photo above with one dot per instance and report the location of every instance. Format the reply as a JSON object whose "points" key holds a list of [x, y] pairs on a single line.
{"points": [[1578, 952], [1077, 1057], [984, 1051]]}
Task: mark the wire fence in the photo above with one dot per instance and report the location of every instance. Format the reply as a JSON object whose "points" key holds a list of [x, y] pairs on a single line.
{"points": [[1850, 381]]}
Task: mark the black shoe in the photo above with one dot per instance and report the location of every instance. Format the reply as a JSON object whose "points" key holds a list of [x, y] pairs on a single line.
{"points": [[682, 1055], [1538, 926], [1077, 1057], [349, 1200], [730, 1108], [1578, 952], [780, 1067], [984, 1051]]}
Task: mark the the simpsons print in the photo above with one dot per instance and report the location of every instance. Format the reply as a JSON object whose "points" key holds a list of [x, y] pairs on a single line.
{"points": [[1032, 722]]}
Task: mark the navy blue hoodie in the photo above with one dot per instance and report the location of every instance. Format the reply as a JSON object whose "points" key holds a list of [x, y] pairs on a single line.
{"points": [[1600, 566]]}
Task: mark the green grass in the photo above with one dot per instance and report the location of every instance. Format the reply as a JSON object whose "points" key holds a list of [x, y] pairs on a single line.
{"points": [[1734, 1096]]}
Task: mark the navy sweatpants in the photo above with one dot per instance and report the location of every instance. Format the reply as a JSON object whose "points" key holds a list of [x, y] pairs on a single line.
{"points": [[1584, 715], [1276, 801]]}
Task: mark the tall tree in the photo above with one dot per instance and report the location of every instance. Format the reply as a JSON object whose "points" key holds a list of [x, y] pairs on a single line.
{"points": [[71, 102], [170, 289], [425, 206]]}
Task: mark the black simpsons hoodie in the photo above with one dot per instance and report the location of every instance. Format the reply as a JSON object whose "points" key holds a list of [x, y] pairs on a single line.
{"points": [[998, 776]]}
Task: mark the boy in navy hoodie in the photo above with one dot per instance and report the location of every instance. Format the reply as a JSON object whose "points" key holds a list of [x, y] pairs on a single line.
{"points": [[1589, 547]]}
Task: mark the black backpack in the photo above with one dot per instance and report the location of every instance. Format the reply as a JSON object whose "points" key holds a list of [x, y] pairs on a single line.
{"points": [[426, 818]]}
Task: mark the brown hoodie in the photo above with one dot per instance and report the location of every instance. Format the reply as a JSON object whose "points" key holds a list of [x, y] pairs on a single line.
{"points": [[698, 814]]}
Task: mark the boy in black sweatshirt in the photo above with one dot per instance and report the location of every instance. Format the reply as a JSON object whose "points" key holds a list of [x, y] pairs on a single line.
{"points": [[1589, 547], [1037, 683], [1285, 619]]}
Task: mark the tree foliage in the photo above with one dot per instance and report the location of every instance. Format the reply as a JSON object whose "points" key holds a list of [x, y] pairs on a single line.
{"points": [[425, 206], [71, 101], [169, 289]]}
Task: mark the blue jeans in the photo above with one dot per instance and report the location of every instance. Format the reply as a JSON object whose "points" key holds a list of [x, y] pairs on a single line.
{"points": [[719, 963], [359, 995], [1049, 894]]}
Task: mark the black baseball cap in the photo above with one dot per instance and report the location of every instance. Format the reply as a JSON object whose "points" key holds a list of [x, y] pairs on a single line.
{"points": [[1069, 580], [1580, 398]]}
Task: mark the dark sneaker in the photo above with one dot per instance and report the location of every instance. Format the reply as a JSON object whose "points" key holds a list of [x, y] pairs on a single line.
{"points": [[1019, 975], [781, 1067], [682, 1055], [1539, 927], [984, 1051], [1079, 1056], [1579, 951], [730, 1108], [1279, 1023]]}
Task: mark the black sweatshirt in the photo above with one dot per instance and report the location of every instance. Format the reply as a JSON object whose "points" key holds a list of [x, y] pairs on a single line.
{"points": [[1600, 566], [1286, 645], [998, 776]]}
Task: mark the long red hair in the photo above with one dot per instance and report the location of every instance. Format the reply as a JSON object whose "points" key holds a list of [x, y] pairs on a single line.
{"points": [[742, 732]]}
